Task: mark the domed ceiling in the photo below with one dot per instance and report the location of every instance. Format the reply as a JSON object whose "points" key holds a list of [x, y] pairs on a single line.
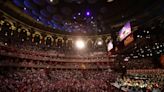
{"points": [[84, 16]]}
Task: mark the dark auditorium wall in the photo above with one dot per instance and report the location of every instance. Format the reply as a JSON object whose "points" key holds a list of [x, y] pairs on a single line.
{"points": [[162, 60]]}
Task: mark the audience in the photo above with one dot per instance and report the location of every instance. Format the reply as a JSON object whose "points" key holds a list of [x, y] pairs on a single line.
{"points": [[29, 65], [141, 83], [44, 80]]}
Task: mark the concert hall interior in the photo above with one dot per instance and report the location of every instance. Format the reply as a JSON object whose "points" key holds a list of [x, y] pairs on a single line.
{"points": [[81, 46]]}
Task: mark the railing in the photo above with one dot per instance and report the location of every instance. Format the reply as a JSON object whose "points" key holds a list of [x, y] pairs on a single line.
{"points": [[45, 56]]}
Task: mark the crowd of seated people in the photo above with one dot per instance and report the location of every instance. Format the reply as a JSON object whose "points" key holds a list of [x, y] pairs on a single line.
{"points": [[146, 71], [54, 56], [23, 37], [140, 63], [141, 83], [13, 61], [27, 49], [14, 42], [143, 63], [58, 79], [45, 80], [50, 55]]}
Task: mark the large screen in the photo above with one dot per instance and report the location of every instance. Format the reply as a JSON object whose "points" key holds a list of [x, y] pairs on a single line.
{"points": [[128, 40], [124, 32], [162, 60], [110, 46]]}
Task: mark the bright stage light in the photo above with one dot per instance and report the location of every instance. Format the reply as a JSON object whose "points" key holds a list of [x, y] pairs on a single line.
{"points": [[88, 13], [110, 1], [99, 43], [51, 0], [80, 44]]}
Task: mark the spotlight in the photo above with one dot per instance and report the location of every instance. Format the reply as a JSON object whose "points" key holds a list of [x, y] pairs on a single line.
{"points": [[126, 58], [135, 56], [157, 47], [138, 36], [5, 43], [160, 45], [79, 13], [110, 1], [99, 43], [80, 44], [74, 17], [51, 0], [88, 13], [37, 19], [24, 8]]}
